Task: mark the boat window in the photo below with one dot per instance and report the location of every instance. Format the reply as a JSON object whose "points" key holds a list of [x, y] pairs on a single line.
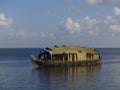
{"points": [[79, 51], [57, 56]]}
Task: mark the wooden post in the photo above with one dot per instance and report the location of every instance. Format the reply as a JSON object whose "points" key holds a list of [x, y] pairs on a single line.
{"points": [[74, 56], [68, 57], [63, 57]]}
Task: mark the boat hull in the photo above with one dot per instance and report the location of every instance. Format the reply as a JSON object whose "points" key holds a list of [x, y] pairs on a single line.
{"points": [[50, 63]]}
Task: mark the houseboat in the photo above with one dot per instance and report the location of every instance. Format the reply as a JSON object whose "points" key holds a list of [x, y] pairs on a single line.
{"points": [[66, 56]]}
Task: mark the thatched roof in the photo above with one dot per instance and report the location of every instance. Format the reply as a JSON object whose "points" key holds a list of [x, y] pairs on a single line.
{"points": [[70, 49]]}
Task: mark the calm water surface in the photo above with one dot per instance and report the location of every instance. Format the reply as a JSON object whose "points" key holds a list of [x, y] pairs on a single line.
{"points": [[17, 73]]}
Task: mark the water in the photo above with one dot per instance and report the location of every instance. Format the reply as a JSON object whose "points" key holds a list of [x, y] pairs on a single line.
{"points": [[17, 73]]}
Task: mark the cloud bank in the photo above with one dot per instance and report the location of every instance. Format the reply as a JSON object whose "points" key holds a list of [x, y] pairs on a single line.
{"points": [[110, 2], [11, 37], [92, 25], [101, 32], [83, 30], [94, 1]]}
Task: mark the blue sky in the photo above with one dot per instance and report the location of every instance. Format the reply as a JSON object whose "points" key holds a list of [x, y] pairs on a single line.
{"points": [[42, 23]]}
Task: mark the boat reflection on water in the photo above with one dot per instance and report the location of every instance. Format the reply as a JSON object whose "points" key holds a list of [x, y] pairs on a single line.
{"points": [[66, 77]]}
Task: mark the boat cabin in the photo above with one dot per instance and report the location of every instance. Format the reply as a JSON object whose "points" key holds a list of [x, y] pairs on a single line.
{"points": [[68, 53]]}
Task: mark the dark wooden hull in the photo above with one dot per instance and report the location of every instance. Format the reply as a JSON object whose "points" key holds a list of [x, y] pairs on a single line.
{"points": [[65, 63], [50, 63]]}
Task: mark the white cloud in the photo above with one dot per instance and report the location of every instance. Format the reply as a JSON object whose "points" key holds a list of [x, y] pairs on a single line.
{"points": [[108, 20], [88, 21], [116, 11], [23, 34], [71, 26], [89, 25], [115, 28], [85, 26], [94, 1], [4, 21], [110, 2]]}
